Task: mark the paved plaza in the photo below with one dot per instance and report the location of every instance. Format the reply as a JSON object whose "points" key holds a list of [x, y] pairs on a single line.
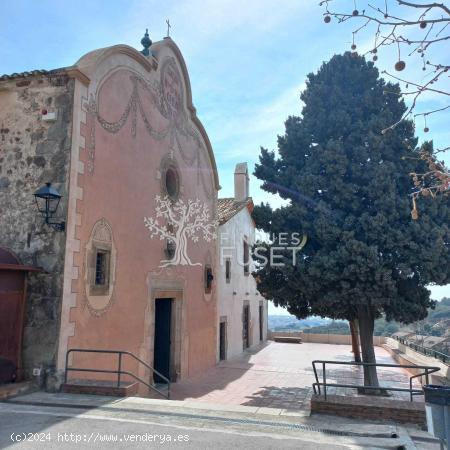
{"points": [[259, 400], [280, 375]]}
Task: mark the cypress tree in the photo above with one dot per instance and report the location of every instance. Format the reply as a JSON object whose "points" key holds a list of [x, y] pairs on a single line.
{"points": [[349, 189]]}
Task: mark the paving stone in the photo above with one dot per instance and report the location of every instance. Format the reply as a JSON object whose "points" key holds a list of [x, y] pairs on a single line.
{"points": [[280, 375]]}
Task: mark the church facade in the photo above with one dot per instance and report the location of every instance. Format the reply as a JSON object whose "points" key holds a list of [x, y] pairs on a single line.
{"points": [[118, 136]]}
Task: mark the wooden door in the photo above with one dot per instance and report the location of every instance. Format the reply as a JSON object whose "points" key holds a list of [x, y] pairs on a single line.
{"points": [[162, 347], [12, 299]]}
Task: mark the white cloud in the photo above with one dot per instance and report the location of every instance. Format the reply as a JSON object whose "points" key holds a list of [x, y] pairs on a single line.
{"points": [[225, 16], [257, 125], [199, 22]]}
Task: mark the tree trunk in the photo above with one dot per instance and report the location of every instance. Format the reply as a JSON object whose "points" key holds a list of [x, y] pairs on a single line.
{"points": [[366, 325], [354, 331]]}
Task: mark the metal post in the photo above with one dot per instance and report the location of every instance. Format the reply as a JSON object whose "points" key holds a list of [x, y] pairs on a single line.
{"points": [[119, 369], [67, 363], [447, 424], [324, 381]]}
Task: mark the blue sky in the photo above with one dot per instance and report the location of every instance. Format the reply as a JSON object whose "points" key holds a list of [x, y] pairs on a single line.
{"points": [[247, 60]]}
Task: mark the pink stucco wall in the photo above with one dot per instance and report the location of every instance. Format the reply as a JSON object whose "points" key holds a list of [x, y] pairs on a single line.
{"points": [[119, 181]]}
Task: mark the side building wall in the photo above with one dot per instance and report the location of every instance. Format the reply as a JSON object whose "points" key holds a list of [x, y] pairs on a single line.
{"points": [[241, 288], [34, 151]]}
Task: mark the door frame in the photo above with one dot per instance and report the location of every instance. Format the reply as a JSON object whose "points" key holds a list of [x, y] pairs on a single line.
{"points": [[175, 329]]}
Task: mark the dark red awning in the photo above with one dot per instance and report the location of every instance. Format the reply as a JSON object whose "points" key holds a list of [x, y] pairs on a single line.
{"points": [[20, 268]]}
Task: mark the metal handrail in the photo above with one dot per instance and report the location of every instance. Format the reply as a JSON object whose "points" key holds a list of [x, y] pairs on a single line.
{"points": [[119, 372], [427, 351], [428, 370]]}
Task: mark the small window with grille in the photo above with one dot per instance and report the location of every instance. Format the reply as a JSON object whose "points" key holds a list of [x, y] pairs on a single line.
{"points": [[101, 266], [100, 271]]}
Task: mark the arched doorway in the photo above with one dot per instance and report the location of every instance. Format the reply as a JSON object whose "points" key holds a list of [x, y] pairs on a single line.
{"points": [[12, 307]]}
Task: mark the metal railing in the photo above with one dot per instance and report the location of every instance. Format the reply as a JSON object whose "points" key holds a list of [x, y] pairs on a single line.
{"points": [[427, 371], [424, 350], [119, 372]]}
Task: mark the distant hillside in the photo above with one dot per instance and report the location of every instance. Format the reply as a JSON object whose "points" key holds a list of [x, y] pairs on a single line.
{"points": [[442, 311], [437, 323], [334, 327], [320, 325], [382, 328], [290, 323]]}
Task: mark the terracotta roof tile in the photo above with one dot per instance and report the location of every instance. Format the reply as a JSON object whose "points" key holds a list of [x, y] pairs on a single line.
{"points": [[229, 207], [31, 73], [22, 74]]}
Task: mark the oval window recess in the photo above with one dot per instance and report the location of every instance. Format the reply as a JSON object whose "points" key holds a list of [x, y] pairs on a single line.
{"points": [[172, 182]]}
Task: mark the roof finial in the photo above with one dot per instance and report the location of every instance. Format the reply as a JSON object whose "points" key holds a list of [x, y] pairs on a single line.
{"points": [[168, 27], [146, 43]]}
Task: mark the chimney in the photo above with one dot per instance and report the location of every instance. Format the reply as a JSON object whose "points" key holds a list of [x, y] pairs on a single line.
{"points": [[241, 182]]}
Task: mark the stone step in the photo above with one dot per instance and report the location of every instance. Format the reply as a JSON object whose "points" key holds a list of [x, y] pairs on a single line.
{"points": [[12, 389], [101, 388], [162, 387]]}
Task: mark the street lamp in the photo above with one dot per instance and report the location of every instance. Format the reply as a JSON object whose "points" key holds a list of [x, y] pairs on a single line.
{"points": [[47, 201]]}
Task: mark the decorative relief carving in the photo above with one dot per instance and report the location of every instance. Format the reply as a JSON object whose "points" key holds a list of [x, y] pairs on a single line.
{"points": [[168, 97], [102, 232]]}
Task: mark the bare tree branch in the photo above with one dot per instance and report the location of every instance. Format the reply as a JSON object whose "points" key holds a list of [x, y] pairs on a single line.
{"points": [[425, 5], [430, 22]]}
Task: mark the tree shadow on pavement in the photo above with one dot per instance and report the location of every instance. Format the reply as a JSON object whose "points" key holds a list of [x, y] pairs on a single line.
{"points": [[293, 398]]}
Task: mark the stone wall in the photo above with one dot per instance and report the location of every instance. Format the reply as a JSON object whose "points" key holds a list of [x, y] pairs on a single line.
{"points": [[34, 151], [370, 408], [402, 354], [336, 339]]}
